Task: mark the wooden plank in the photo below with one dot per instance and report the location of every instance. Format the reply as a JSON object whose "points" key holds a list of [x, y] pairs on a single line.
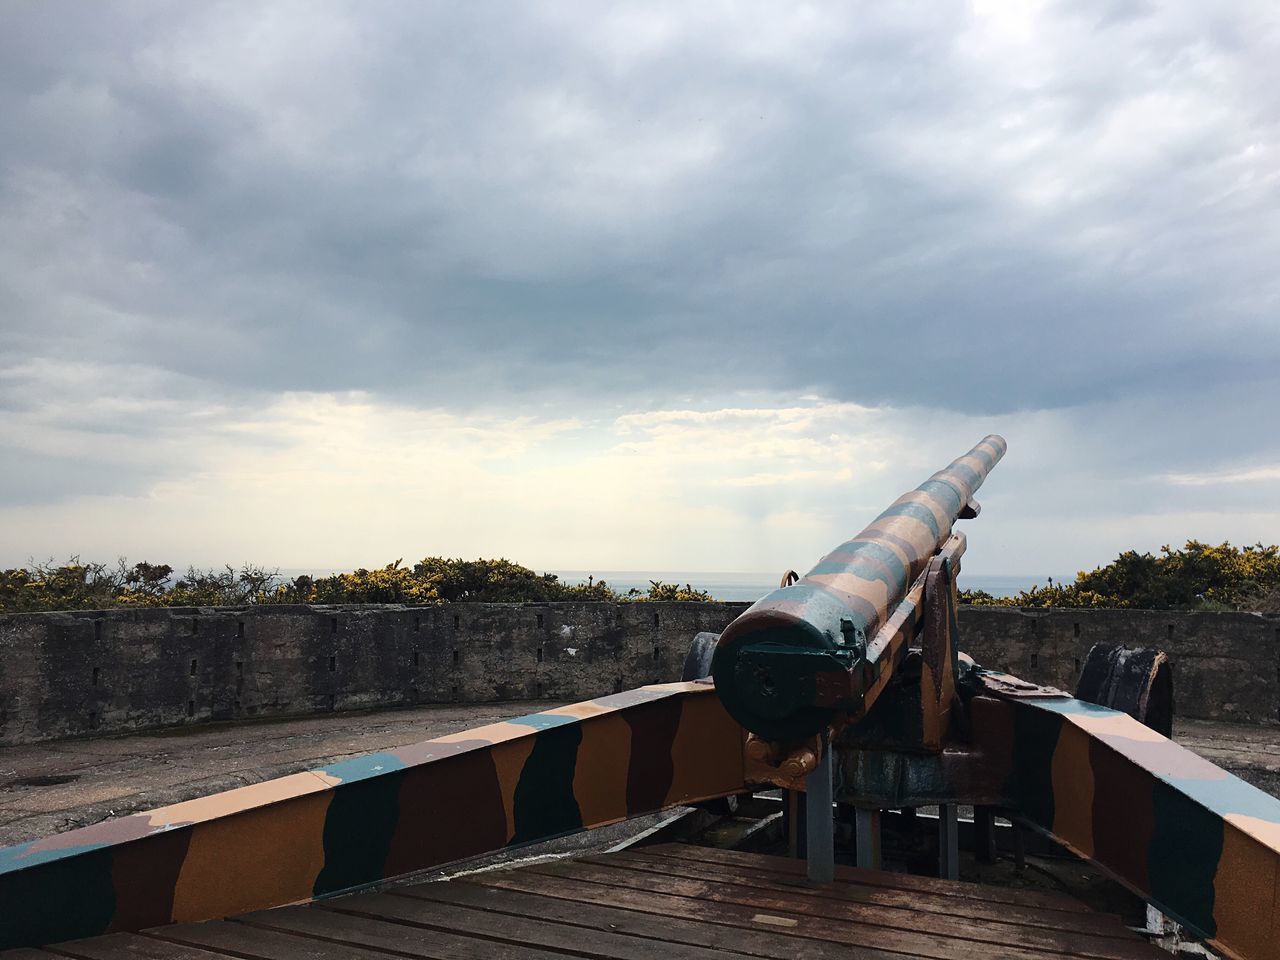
{"points": [[1096, 924], [913, 943], [801, 901], [893, 920], [132, 946], [425, 918], [245, 941], [385, 936], [1038, 899], [760, 941]]}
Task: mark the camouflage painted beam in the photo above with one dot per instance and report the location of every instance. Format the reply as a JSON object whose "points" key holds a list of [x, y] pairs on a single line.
{"points": [[1200, 844], [362, 820], [796, 658]]}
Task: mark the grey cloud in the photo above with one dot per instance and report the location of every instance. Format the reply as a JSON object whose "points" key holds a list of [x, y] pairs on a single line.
{"points": [[459, 207], [30, 478]]}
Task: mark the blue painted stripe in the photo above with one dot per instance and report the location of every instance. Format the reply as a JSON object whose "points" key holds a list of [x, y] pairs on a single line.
{"points": [[871, 561], [543, 721], [1223, 795], [816, 604], [20, 856], [980, 454], [1069, 706], [917, 511], [629, 698], [945, 491], [1228, 794], [964, 474], [363, 768]]}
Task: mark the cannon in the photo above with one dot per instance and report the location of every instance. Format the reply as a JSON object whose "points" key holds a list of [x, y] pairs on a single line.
{"points": [[846, 688], [826, 645]]}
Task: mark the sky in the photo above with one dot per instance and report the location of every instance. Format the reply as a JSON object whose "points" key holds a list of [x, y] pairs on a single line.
{"points": [[633, 286]]}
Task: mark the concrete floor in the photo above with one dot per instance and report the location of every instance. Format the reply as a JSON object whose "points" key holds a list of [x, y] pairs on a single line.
{"points": [[50, 787], [1251, 752], [60, 785]]}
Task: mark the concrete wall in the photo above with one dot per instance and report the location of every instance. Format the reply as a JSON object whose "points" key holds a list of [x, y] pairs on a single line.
{"points": [[1226, 666], [69, 674]]}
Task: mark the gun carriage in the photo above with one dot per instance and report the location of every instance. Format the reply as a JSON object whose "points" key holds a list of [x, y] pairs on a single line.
{"points": [[846, 687]]}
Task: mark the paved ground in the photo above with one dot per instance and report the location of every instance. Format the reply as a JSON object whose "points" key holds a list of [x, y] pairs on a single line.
{"points": [[50, 787], [1251, 752]]}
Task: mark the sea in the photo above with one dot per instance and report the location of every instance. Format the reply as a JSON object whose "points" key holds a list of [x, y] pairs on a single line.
{"points": [[752, 586]]}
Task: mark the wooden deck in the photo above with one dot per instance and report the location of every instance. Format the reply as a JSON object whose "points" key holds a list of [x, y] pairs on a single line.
{"points": [[671, 901]]}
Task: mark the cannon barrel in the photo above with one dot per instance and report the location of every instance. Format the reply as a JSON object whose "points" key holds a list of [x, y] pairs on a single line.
{"points": [[772, 665]]}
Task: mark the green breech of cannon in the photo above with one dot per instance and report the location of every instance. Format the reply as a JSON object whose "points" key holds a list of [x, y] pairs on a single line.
{"points": [[778, 681], [795, 659], [785, 678]]}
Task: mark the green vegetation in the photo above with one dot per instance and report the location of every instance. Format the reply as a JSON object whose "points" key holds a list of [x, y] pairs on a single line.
{"points": [[1197, 576], [76, 585]]}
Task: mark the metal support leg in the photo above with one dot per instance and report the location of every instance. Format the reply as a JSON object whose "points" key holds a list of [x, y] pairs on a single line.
{"points": [[793, 804], [984, 834], [867, 838], [948, 842], [820, 840]]}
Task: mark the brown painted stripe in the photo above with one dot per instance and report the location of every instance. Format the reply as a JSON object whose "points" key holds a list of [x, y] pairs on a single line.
{"points": [[875, 533], [244, 862], [448, 812], [651, 768], [601, 775], [145, 876], [707, 759], [851, 587], [878, 567], [1246, 903], [1121, 843]]}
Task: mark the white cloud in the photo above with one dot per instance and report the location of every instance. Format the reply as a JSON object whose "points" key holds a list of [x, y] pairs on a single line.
{"points": [[1269, 472], [334, 480], [639, 285]]}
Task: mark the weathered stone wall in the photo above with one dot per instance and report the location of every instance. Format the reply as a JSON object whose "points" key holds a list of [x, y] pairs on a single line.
{"points": [[1226, 666], [69, 674]]}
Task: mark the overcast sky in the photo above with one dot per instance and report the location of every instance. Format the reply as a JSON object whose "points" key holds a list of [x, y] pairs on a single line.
{"points": [[633, 286]]}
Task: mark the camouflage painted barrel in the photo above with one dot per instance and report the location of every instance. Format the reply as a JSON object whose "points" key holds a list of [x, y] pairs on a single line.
{"points": [[769, 663]]}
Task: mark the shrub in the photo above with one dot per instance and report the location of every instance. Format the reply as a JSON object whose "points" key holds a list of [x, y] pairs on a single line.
{"points": [[80, 586], [1197, 576]]}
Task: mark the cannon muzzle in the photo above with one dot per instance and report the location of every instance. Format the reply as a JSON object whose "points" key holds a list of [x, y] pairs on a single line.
{"points": [[797, 657]]}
